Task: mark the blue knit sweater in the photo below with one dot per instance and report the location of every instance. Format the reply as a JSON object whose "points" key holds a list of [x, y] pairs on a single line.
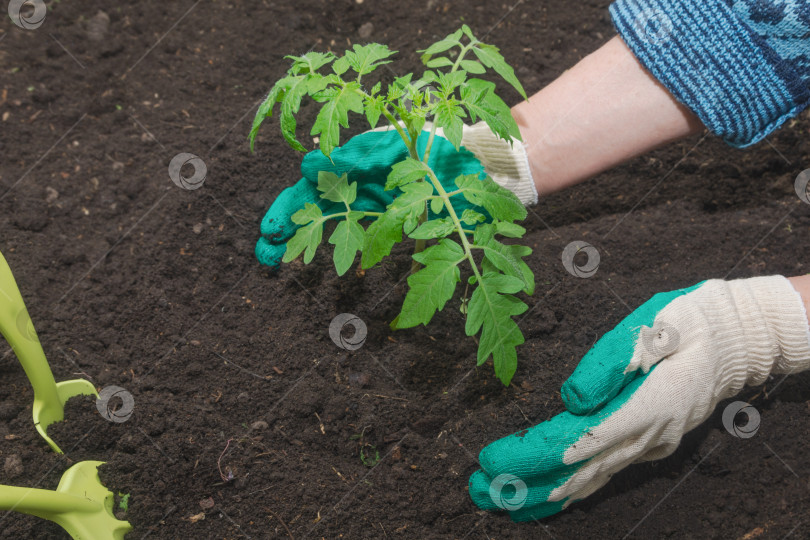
{"points": [[742, 66]]}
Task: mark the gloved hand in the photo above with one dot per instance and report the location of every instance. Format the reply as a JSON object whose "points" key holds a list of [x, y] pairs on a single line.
{"points": [[657, 375], [368, 158]]}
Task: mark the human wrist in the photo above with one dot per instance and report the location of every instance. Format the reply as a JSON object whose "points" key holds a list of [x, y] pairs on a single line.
{"points": [[774, 320], [802, 286]]}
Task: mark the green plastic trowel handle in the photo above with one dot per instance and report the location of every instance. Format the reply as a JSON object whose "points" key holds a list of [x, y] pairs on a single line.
{"points": [[42, 503], [81, 504], [17, 328]]}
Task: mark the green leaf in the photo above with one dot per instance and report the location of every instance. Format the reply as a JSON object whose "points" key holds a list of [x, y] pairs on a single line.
{"points": [[404, 81], [399, 87], [510, 230], [335, 113], [528, 276], [380, 237], [266, 109], [403, 212], [441, 46], [490, 310], [341, 65], [374, 108], [501, 203], [508, 259], [467, 32], [431, 287], [300, 80], [364, 59], [428, 77], [310, 62], [479, 98], [490, 56], [414, 101], [405, 172], [450, 81], [310, 212], [471, 217], [347, 239], [336, 188], [436, 205], [374, 105], [316, 83], [410, 205], [436, 228], [307, 237], [415, 123], [472, 66], [487, 266], [483, 234], [449, 117], [442, 61], [289, 107]]}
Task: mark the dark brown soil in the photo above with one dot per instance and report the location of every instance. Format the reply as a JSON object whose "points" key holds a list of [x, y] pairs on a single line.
{"points": [[136, 283]]}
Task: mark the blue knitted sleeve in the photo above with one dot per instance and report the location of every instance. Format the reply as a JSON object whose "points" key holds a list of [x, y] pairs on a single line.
{"points": [[742, 66]]}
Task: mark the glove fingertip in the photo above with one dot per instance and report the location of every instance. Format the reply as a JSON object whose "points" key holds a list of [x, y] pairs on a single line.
{"points": [[580, 401], [269, 254], [599, 378], [479, 491], [490, 455], [276, 222]]}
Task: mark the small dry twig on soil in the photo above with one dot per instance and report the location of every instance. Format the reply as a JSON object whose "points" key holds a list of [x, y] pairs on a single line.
{"points": [[280, 521], [229, 477]]}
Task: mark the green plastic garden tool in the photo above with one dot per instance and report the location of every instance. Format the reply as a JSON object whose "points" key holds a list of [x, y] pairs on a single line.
{"points": [[17, 328], [81, 504]]}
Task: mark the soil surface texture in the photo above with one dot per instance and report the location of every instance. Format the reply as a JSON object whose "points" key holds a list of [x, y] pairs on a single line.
{"points": [[248, 420]]}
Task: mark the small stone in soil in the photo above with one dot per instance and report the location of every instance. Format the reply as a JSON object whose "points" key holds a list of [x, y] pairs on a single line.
{"points": [[13, 466], [365, 30], [97, 26], [259, 425], [207, 504], [359, 379]]}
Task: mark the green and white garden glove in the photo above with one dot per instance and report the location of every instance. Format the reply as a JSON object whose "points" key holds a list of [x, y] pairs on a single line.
{"points": [[368, 158], [657, 375]]}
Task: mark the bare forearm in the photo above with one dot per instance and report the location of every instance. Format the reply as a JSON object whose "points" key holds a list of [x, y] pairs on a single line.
{"points": [[603, 111]]}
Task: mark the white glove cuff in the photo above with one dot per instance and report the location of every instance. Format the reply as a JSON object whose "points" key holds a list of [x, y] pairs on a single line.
{"points": [[508, 165], [771, 304]]}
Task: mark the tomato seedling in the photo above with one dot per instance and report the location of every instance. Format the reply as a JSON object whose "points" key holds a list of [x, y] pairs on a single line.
{"points": [[422, 208]]}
